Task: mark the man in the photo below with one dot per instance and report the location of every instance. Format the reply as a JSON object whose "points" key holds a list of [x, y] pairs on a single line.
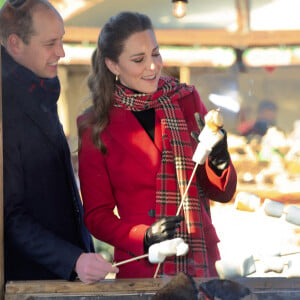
{"points": [[266, 118], [45, 237]]}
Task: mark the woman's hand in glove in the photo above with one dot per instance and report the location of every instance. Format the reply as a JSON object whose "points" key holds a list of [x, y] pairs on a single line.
{"points": [[219, 157], [163, 229]]}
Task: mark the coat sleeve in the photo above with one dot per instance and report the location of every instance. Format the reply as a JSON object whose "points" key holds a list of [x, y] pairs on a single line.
{"points": [[23, 231], [217, 188], [99, 202]]}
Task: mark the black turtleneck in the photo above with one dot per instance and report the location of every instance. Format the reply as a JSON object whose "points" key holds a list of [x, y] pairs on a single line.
{"points": [[147, 120]]}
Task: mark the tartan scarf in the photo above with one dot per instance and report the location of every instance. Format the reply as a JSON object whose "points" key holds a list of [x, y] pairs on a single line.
{"points": [[175, 171]]}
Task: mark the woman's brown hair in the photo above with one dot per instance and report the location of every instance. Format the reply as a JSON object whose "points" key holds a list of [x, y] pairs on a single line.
{"points": [[101, 81]]}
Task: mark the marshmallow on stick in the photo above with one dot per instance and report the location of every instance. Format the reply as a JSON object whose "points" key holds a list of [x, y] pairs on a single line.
{"points": [[243, 266], [209, 136], [238, 267], [277, 209], [159, 251], [246, 201]]}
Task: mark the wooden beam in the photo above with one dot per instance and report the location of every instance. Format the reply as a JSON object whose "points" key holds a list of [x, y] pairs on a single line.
{"points": [[208, 37]]}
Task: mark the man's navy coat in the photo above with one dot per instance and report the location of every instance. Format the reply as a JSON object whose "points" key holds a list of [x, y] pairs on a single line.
{"points": [[43, 226]]}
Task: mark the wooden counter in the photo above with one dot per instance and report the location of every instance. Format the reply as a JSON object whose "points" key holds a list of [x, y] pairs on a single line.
{"points": [[142, 289]]}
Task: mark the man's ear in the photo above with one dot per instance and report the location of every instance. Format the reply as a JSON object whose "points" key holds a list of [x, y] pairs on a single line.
{"points": [[14, 44], [112, 66]]}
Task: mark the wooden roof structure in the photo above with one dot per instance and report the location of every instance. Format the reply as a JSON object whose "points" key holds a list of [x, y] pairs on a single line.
{"points": [[235, 23]]}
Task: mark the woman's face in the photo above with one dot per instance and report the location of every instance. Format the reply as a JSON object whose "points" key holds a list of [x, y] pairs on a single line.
{"points": [[139, 66]]}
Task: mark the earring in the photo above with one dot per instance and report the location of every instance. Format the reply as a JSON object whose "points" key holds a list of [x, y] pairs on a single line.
{"points": [[117, 77]]}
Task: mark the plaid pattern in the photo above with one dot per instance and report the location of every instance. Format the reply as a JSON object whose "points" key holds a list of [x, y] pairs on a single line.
{"points": [[176, 169]]}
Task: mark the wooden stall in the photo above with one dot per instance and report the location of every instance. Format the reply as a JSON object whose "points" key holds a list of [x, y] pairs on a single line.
{"points": [[142, 289]]}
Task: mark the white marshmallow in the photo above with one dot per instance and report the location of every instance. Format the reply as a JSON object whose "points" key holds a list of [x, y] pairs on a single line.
{"points": [[169, 247], [182, 249], [273, 264], [247, 201], [207, 140], [158, 252], [277, 209], [293, 215], [154, 255], [273, 208], [235, 267], [201, 153]]}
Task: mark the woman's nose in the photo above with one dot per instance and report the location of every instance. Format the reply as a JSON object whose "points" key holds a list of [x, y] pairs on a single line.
{"points": [[152, 66]]}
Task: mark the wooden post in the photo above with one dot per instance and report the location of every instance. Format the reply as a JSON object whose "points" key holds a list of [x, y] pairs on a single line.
{"points": [[185, 75], [1, 193], [243, 16]]}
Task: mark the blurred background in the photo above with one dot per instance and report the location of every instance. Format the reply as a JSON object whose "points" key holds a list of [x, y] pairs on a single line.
{"points": [[236, 52]]}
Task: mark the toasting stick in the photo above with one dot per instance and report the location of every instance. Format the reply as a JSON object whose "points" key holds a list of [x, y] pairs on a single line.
{"points": [[158, 252], [208, 138]]}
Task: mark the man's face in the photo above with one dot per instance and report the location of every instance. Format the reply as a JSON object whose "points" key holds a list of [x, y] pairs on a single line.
{"points": [[45, 47]]}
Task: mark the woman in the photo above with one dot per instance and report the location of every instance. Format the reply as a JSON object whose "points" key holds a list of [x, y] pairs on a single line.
{"points": [[136, 155]]}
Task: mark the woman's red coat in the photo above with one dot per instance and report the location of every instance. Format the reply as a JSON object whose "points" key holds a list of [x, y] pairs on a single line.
{"points": [[126, 177]]}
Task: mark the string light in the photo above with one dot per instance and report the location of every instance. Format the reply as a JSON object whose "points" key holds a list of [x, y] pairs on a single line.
{"points": [[179, 9]]}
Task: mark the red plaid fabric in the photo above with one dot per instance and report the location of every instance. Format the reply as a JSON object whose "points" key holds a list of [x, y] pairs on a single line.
{"points": [[176, 169]]}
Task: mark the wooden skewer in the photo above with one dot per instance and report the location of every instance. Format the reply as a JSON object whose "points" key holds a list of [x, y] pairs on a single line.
{"points": [[187, 189], [180, 206], [130, 260], [289, 253], [156, 271]]}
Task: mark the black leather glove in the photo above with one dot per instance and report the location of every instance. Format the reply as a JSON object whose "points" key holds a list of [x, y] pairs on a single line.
{"points": [[219, 157], [200, 124], [163, 229]]}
